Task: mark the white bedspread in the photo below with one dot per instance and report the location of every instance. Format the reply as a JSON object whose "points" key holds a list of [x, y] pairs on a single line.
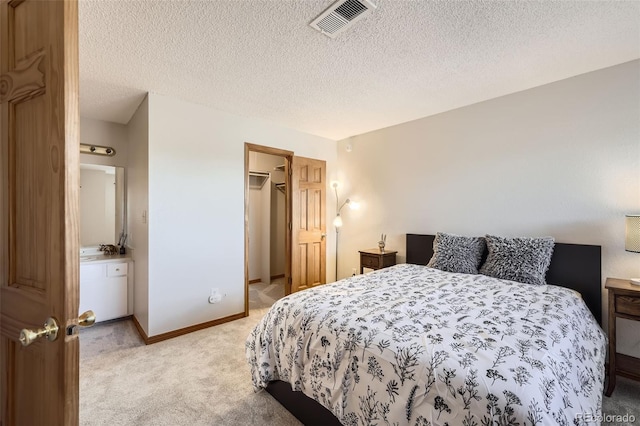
{"points": [[411, 345]]}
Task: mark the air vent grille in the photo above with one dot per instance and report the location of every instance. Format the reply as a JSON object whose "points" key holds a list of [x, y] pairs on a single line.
{"points": [[341, 15], [350, 9], [332, 23]]}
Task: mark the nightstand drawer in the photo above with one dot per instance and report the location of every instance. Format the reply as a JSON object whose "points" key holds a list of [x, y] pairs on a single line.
{"points": [[629, 305], [376, 259], [372, 262]]}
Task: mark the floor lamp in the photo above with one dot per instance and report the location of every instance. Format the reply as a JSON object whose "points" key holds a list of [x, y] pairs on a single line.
{"points": [[337, 222]]}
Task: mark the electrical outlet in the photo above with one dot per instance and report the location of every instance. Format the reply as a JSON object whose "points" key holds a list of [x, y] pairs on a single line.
{"points": [[215, 296]]}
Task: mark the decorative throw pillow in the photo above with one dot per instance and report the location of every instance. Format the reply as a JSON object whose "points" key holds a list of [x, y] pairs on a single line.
{"points": [[454, 253], [525, 260]]}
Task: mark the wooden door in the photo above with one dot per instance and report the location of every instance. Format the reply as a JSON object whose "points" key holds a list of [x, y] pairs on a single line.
{"points": [[308, 248], [39, 169]]}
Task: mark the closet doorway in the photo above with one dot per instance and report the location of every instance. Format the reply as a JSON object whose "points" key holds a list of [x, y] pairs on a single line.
{"points": [[267, 225]]}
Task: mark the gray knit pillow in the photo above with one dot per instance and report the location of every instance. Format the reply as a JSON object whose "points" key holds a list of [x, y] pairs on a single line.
{"points": [[454, 253], [524, 260]]}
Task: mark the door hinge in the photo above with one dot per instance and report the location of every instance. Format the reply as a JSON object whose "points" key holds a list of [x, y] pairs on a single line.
{"points": [[290, 280], [290, 226]]}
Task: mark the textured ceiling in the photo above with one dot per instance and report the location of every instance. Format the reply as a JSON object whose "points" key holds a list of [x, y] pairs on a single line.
{"points": [[408, 59]]}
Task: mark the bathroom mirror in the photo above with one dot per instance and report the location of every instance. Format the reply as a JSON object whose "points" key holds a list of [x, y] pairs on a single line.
{"points": [[102, 204]]}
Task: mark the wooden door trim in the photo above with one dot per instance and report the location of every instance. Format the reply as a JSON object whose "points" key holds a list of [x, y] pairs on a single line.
{"points": [[288, 157], [182, 331]]}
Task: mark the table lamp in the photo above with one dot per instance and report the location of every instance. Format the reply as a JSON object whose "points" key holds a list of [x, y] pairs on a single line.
{"points": [[632, 237]]}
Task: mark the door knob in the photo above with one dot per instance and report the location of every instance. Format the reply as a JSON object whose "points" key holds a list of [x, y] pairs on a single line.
{"points": [[87, 319], [323, 235], [49, 330]]}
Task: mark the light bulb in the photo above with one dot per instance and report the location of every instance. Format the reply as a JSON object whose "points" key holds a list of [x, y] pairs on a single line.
{"points": [[354, 205], [337, 222]]}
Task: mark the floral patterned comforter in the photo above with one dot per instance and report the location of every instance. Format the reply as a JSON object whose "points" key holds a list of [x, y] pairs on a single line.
{"points": [[411, 345]]}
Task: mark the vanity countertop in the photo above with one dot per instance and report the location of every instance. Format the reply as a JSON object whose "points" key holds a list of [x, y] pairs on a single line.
{"points": [[103, 258]]}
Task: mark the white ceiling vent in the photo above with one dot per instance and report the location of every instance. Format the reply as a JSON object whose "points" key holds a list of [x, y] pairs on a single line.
{"points": [[341, 15]]}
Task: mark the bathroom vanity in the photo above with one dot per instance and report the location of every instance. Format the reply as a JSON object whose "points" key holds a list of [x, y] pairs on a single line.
{"points": [[106, 286]]}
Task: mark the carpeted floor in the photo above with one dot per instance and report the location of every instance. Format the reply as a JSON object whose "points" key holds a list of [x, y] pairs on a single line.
{"points": [[624, 400], [262, 296], [202, 378]]}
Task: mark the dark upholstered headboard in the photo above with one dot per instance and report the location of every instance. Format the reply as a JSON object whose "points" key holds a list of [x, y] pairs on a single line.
{"points": [[575, 266]]}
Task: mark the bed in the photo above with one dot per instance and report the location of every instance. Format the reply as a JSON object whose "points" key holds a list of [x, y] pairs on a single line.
{"points": [[419, 346]]}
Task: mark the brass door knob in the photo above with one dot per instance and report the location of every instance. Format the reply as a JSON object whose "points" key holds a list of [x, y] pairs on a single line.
{"points": [[49, 330], [87, 319]]}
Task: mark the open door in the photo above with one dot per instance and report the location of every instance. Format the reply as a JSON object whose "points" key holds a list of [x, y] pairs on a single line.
{"points": [[308, 248], [39, 168]]}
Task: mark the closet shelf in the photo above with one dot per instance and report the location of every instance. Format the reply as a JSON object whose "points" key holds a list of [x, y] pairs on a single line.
{"points": [[281, 186], [257, 179], [279, 168]]}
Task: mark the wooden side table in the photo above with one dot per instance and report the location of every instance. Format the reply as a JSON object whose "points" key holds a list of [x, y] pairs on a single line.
{"points": [[624, 302], [376, 259]]}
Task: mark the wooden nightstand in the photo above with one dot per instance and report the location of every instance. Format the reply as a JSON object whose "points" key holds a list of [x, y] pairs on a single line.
{"points": [[376, 259], [624, 302]]}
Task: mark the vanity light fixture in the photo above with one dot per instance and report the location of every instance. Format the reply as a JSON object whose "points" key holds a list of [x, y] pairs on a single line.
{"points": [[97, 150]]}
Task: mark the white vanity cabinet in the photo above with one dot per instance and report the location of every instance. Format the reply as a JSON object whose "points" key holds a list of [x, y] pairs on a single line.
{"points": [[104, 288]]}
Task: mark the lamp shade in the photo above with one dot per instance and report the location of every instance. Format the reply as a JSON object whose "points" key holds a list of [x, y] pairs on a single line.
{"points": [[337, 222], [632, 234]]}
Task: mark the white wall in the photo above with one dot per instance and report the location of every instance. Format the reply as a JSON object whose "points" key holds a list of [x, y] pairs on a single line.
{"points": [[137, 204], [255, 234], [196, 205], [104, 133], [278, 222], [265, 226], [561, 159]]}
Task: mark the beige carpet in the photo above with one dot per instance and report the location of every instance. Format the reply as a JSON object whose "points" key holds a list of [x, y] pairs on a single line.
{"points": [[198, 379], [263, 295], [201, 378]]}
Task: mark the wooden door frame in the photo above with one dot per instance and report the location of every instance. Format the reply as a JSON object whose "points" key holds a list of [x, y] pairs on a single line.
{"points": [[288, 157]]}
